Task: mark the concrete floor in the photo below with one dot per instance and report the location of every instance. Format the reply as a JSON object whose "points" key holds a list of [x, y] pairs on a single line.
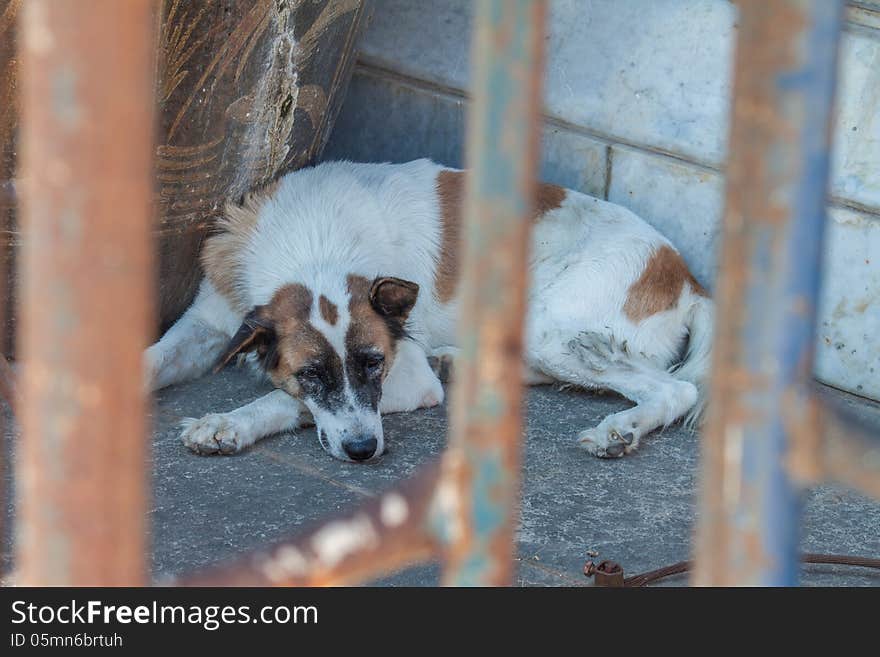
{"points": [[638, 510]]}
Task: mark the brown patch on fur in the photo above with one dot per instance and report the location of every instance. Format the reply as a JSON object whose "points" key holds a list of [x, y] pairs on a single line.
{"points": [[696, 287], [220, 255], [297, 342], [329, 311], [548, 198], [659, 287], [366, 328], [291, 302], [450, 192], [294, 342]]}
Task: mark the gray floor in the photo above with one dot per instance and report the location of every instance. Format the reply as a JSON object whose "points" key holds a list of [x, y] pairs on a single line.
{"points": [[638, 511]]}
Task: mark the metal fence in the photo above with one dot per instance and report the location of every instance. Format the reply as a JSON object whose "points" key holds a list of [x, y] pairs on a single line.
{"points": [[86, 290]]}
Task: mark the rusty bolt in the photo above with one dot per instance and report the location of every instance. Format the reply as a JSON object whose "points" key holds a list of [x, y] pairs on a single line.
{"points": [[609, 573]]}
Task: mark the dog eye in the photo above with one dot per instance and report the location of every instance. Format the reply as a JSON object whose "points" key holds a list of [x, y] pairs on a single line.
{"points": [[373, 362], [308, 374]]}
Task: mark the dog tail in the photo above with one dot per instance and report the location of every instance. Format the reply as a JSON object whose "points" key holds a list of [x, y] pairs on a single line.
{"points": [[698, 360]]}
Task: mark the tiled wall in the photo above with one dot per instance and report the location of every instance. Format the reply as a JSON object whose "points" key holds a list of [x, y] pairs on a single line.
{"points": [[636, 98]]}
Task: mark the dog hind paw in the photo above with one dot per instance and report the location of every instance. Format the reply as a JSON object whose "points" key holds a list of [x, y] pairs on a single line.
{"points": [[607, 443]]}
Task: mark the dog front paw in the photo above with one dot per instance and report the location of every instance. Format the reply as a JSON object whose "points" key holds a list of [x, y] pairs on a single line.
{"points": [[433, 397], [212, 434]]}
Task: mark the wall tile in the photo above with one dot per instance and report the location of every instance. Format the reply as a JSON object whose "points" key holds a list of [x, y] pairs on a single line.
{"points": [[848, 329], [642, 72], [386, 120], [856, 156]]}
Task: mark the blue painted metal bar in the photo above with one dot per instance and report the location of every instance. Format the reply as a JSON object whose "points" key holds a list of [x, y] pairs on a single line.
{"points": [[767, 291], [480, 473]]}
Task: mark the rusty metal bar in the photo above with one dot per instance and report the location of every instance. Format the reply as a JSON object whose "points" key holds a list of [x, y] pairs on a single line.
{"points": [[382, 535], [8, 71], [87, 99], [767, 291], [480, 472]]}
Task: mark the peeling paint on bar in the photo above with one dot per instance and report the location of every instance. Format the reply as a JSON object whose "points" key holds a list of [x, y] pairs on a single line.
{"points": [[385, 533], [394, 510], [762, 402], [485, 425], [336, 540]]}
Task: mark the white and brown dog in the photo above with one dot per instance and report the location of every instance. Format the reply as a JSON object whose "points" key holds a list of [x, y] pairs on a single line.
{"points": [[341, 280]]}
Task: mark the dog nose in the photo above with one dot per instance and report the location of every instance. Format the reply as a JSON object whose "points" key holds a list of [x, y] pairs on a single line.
{"points": [[360, 449]]}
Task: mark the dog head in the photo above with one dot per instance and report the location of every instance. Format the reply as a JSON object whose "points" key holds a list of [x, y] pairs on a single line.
{"points": [[332, 352]]}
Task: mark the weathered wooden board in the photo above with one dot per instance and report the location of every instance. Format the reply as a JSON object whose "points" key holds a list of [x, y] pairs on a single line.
{"points": [[245, 91]]}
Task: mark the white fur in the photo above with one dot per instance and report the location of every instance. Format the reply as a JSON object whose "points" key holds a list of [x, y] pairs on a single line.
{"points": [[341, 218]]}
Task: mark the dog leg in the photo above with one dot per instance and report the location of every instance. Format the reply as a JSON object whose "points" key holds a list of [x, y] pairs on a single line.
{"points": [[229, 433], [442, 362], [596, 361], [411, 383], [190, 347]]}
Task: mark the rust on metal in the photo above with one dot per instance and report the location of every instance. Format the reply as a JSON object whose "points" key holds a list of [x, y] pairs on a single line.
{"points": [[86, 287], [389, 531], [766, 293], [801, 414], [608, 574], [480, 471], [8, 128], [9, 10]]}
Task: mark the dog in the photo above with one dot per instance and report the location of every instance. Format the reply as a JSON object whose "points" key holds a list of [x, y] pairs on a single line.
{"points": [[339, 281]]}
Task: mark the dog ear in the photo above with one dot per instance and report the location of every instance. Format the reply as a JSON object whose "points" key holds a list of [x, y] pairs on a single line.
{"points": [[393, 297], [255, 332]]}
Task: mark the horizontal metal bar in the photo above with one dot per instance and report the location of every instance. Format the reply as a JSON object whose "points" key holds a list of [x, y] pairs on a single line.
{"points": [[387, 532]]}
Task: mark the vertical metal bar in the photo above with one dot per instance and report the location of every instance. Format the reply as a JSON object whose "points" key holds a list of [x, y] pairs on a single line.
{"points": [[8, 114], [481, 469], [86, 290], [767, 291]]}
